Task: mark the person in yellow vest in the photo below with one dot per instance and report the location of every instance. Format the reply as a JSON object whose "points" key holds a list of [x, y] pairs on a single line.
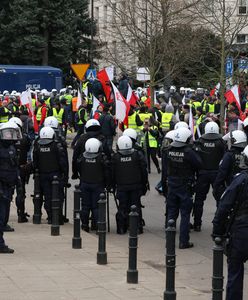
{"points": [[4, 112], [59, 113], [81, 117], [68, 107], [144, 114], [210, 107], [204, 102], [200, 118], [168, 119], [194, 102], [150, 143], [143, 97], [134, 120]]}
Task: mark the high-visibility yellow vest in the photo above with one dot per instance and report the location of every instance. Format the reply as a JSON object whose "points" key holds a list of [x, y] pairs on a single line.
{"points": [[58, 115], [143, 98], [204, 105], [199, 120], [196, 104], [246, 105], [80, 122], [48, 102], [39, 114], [4, 119], [132, 122], [211, 107], [144, 116], [166, 119], [153, 143], [68, 99], [33, 103]]}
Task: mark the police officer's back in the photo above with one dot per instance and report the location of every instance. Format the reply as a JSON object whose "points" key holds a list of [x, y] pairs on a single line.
{"points": [[130, 179], [211, 148], [95, 176], [229, 166], [231, 221], [50, 160], [179, 164]]}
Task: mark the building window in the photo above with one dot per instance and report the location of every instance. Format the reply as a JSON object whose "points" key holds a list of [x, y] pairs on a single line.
{"points": [[242, 38], [243, 7]]}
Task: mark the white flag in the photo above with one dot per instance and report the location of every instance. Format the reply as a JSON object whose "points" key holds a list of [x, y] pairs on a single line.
{"points": [[183, 100], [86, 91], [26, 97], [177, 116], [96, 103], [110, 72], [79, 99]]}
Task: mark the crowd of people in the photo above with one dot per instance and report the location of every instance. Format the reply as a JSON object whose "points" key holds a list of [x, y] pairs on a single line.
{"points": [[190, 160]]}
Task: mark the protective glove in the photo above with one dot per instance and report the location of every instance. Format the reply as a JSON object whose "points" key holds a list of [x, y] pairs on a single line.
{"points": [[74, 176]]}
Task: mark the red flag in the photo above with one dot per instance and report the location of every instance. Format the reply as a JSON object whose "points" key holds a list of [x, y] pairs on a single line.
{"points": [[232, 96], [104, 79], [121, 106], [215, 90], [148, 100], [131, 96]]}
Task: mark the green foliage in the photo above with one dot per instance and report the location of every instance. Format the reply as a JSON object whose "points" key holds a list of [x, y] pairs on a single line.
{"points": [[35, 32]]}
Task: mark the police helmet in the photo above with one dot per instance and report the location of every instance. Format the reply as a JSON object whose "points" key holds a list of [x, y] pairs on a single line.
{"points": [[125, 145], [244, 159], [54, 91], [47, 133], [238, 138], [51, 122], [168, 139], [92, 145], [180, 125], [5, 93], [92, 125], [172, 89], [182, 136], [245, 123], [17, 121], [170, 135], [10, 131], [212, 127], [131, 133]]}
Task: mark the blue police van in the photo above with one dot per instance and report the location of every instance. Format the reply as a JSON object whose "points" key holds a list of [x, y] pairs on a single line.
{"points": [[20, 77]]}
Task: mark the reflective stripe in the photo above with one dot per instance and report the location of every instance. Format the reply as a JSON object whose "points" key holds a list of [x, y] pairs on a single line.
{"points": [[166, 119], [80, 122], [58, 115]]}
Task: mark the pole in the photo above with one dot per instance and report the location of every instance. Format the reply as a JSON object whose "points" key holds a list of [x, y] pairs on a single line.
{"points": [[55, 207], [91, 34], [37, 199], [218, 278], [108, 220], [132, 272], [102, 254], [170, 293], [76, 240]]}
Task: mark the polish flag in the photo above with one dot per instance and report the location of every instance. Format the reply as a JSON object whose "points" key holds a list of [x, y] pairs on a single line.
{"points": [[122, 106], [232, 96], [26, 99], [148, 100], [131, 96], [96, 103], [103, 77], [215, 90]]}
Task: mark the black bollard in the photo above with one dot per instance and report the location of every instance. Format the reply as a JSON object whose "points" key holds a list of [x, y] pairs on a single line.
{"points": [[55, 207], [37, 199], [76, 240], [170, 293], [218, 278], [132, 272], [102, 254]]}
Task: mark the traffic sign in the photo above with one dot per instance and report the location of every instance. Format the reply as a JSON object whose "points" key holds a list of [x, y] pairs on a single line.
{"points": [[229, 66], [80, 70], [91, 74]]}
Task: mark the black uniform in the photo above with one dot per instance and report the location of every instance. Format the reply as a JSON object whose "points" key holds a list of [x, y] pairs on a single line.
{"points": [[130, 178], [95, 176], [231, 219], [211, 148], [50, 159]]}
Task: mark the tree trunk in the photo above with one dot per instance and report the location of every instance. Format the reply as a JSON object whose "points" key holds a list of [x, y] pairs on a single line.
{"points": [[45, 51]]}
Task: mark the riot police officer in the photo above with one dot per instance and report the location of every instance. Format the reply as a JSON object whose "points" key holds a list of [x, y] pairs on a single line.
{"points": [[179, 165], [93, 130], [50, 160], [231, 223], [229, 166], [23, 147], [130, 179], [9, 134], [95, 175], [211, 148]]}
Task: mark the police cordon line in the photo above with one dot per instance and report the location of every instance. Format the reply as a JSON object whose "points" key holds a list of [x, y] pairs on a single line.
{"points": [[187, 168]]}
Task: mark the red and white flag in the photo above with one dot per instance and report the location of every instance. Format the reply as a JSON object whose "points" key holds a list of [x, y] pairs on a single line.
{"points": [[96, 103], [103, 77], [121, 106], [131, 97], [232, 95], [215, 90]]}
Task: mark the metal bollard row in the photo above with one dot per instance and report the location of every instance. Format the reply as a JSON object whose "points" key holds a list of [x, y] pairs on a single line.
{"points": [[55, 229], [76, 240], [102, 254]]}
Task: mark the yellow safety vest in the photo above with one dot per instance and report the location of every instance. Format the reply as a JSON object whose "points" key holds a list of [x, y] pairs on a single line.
{"points": [[58, 115], [68, 99], [246, 105], [132, 122], [153, 143], [211, 108], [143, 98], [39, 114], [33, 103], [199, 120], [48, 102], [204, 105], [4, 119], [166, 119], [196, 104], [80, 122]]}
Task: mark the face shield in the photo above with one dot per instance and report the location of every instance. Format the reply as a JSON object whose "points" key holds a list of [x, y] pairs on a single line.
{"points": [[10, 134]]}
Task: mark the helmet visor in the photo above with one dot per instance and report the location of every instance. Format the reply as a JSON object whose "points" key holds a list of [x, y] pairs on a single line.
{"points": [[10, 134]]}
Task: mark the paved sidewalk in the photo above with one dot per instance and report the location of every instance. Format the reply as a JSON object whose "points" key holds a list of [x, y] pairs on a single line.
{"points": [[47, 268]]}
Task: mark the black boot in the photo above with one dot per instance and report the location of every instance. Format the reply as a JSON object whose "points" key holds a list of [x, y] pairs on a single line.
{"points": [[23, 218]]}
